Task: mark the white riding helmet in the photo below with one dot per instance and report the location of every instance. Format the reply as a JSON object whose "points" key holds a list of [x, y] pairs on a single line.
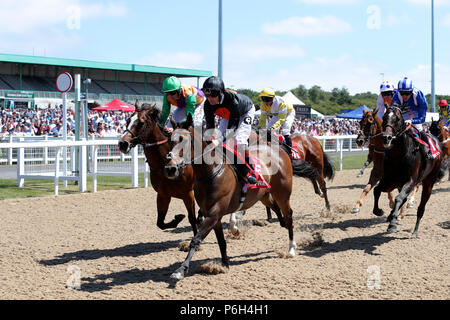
{"points": [[386, 86]]}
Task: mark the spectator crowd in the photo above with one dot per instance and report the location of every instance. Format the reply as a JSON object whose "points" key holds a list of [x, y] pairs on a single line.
{"points": [[48, 121]]}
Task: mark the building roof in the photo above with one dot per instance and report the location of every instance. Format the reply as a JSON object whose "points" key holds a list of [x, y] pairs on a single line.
{"points": [[76, 63]]}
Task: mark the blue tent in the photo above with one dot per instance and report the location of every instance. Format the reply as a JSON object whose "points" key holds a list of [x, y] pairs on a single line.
{"points": [[354, 114]]}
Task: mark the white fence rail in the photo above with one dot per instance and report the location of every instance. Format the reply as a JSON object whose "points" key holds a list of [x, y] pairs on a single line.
{"points": [[56, 159]]}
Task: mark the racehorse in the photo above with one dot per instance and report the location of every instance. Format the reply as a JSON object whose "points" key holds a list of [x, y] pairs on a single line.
{"points": [[142, 129], [438, 130], [310, 150], [218, 190], [405, 166], [371, 132]]}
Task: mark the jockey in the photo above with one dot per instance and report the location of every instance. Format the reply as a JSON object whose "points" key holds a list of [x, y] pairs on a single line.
{"points": [[414, 107], [236, 112], [444, 113], [385, 97], [282, 113], [188, 100]]}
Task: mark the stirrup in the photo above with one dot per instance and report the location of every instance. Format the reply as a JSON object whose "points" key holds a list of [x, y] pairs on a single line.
{"points": [[250, 179]]}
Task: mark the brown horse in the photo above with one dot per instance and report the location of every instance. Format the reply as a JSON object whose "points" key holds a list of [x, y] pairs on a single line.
{"points": [[312, 152], [142, 129], [219, 191], [371, 131], [438, 130], [405, 167]]}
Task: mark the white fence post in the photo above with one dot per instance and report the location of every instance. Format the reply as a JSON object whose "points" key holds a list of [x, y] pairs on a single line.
{"points": [[94, 168], [57, 160], [10, 152], [134, 168], [146, 172], [20, 166], [46, 151], [82, 179]]}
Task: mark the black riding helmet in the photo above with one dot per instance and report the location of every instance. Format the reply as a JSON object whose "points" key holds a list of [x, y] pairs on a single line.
{"points": [[213, 86]]}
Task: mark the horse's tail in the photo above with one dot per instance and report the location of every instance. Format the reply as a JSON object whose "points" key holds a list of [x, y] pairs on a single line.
{"points": [[304, 169], [328, 169], [443, 169]]}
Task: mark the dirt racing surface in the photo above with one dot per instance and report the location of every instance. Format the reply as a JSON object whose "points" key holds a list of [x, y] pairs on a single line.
{"points": [[107, 246]]}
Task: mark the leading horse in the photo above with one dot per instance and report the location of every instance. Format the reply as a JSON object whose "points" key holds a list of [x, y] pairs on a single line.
{"points": [[371, 132], [142, 129], [405, 166], [219, 191]]}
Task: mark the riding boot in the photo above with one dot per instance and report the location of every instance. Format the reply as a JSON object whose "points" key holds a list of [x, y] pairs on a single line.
{"points": [[427, 152], [288, 142], [248, 174]]}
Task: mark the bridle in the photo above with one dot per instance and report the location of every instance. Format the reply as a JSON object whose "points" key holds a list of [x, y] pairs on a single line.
{"points": [[182, 164], [394, 130]]}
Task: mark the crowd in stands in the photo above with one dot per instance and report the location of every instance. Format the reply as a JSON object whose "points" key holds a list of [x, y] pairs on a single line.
{"points": [[48, 121]]}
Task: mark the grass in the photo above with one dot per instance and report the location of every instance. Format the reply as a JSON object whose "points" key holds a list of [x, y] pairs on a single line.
{"points": [[36, 188]]}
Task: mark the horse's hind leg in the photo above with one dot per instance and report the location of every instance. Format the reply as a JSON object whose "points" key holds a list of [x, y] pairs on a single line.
{"points": [[162, 204], [323, 187], [218, 230], [270, 203], [189, 202], [427, 187]]}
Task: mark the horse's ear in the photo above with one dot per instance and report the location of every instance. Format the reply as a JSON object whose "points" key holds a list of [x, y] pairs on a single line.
{"points": [[173, 123], [136, 105], [154, 113], [375, 111]]}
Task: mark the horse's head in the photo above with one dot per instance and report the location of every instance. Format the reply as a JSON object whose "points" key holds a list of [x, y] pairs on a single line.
{"points": [[179, 155], [141, 127], [393, 125], [435, 128], [367, 127]]}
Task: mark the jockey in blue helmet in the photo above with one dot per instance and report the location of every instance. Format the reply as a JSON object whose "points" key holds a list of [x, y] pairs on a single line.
{"points": [[414, 106]]}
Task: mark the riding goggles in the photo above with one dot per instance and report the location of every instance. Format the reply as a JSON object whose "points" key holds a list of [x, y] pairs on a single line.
{"points": [[266, 99], [405, 93], [211, 92], [387, 93]]}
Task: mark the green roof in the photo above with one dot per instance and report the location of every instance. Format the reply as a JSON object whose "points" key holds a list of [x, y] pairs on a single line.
{"points": [[75, 63]]}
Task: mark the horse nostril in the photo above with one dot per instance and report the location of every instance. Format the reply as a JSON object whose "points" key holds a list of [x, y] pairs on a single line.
{"points": [[123, 145]]}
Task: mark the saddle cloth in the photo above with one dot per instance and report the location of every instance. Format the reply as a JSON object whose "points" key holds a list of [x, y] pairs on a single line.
{"points": [[262, 183], [296, 155], [434, 150]]}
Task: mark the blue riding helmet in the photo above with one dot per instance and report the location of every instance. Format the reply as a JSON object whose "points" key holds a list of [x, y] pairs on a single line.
{"points": [[405, 85]]}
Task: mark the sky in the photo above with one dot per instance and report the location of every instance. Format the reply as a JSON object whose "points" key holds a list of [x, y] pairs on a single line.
{"points": [[281, 44]]}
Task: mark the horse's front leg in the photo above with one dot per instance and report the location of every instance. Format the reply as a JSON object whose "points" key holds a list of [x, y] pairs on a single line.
{"points": [[400, 200], [162, 204], [189, 202], [205, 228], [376, 195]]}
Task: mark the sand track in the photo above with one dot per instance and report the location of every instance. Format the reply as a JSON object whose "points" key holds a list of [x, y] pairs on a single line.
{"points": [[110, 242]]}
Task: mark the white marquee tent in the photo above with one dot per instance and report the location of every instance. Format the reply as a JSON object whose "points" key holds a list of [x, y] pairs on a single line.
{"points": [[292, 99]]}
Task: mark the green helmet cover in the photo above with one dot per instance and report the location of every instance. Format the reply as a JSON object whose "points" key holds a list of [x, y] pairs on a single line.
{"points": [[171, 84]]}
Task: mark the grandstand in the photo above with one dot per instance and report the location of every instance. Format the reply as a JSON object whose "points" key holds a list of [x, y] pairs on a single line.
{"points": [[30, 81]]}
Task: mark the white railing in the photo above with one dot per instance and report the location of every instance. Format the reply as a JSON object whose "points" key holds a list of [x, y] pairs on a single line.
{"points": [[55, 152], [65, 152]]}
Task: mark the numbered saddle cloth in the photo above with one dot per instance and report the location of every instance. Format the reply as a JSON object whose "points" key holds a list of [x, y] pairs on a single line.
{"points": [[296, 154]]}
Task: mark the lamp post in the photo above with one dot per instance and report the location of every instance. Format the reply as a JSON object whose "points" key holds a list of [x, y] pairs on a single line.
{"points": [[433, 97], [220, 74]]}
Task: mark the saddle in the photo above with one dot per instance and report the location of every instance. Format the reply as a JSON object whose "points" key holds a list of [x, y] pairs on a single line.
{"points": [[262, 183], [430, 146], [296, 153]]}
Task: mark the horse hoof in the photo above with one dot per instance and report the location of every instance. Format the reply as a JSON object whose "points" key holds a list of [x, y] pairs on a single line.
{"points": [[179, 217], [359, 175], [392, 229], [414, 236], [378, 212], [410, 205], [177, 276], [355, 210]]}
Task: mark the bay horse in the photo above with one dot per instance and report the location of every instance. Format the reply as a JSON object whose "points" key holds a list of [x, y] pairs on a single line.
{"points": [[438, 130], [405, 166], [311, 151], [142, 129], [371, 132], [218, 190]]}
